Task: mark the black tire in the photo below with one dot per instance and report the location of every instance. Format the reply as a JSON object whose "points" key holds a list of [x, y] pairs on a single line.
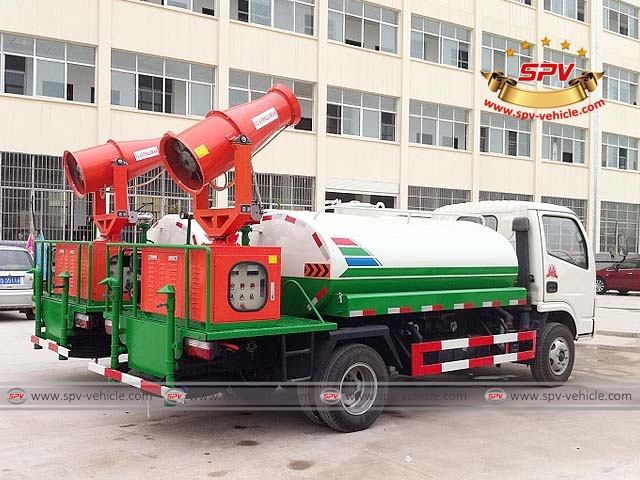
{"points": [[308, 405], [358, 410], [623, 292], [601, 285], [555, 355], [30, 313]]}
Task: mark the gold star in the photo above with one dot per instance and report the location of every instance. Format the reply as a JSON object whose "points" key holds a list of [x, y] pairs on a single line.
{"points": [[582, 52], [565, 45], [510, 52], [545, 42], [525, 45]]}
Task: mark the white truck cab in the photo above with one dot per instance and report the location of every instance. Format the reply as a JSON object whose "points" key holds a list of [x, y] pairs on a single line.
{"points": [[561, 263]]}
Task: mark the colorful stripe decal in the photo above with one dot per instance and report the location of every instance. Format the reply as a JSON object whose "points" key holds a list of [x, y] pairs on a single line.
{"points": [[419, 349], [354, 252], [361, 261], [50, 345], [344, 242]]}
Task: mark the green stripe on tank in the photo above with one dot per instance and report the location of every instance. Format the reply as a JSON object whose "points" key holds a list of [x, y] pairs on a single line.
{"points": [[354, 252], [426, 271]]}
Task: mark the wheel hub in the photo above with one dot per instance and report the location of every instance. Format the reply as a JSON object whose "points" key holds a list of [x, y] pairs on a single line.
{"points": [[559, 356], [358, 388]]}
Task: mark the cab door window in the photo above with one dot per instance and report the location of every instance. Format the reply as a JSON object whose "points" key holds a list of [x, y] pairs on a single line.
{"points": [[564, 240]]}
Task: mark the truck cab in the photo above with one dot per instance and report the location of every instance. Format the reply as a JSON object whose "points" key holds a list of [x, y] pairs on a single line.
{"points": [[561, 263]]}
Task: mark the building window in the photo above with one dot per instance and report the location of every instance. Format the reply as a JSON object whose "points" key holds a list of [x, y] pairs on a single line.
{"points": [[363, 24], [566, 59], [245, 87], [619, 151], [526, 2], [579, 206], [520, 197], [289, 192], [440, 42], [47, 68], [430, 198], [620, 85], [292, 15], [619, 219], [361, 114], [563, 143], [199, 6], [440, 125], [504, 134], [161, 85], [494, 56], [620, 17], [567, 8]]}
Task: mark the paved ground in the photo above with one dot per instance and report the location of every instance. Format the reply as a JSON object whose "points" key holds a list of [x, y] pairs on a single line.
{"points": [[445, 443]]}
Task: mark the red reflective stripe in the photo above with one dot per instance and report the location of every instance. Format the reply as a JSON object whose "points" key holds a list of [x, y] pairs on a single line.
{"points": [[478, 341], [528, 335], [53, 347], [34, 339], [316, 239], [321, 293], [344, 241], [111, 373], [522, 301], [405, 309], [434, 346], [368, 312], [178, 224], [496, 303], [150, 387], [438, 307], [480, 362], [526, 355], [193, 239], [290, 219], [468, 305], [267, 217]]}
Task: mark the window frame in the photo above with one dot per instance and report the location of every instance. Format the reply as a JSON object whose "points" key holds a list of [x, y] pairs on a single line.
{"points": [[456, 111], [549, 7], [362, 108], [581, 64], [36, 58], [549, 136], [493, 120], [190, 8], [165, 76], [362, 17], [582, 241], [632, 13], [442, 37], [235, 14], [622, 142], [633, 83], [520, 53]]}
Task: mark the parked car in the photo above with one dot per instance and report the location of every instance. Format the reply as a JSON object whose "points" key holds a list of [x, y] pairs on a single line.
{"points": [[623, 277], [16, 285]]}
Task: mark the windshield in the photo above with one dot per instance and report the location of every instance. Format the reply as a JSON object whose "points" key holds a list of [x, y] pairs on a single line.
{"points": [[15, 260]]}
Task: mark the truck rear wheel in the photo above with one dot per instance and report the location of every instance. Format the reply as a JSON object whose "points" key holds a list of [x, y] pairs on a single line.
{"points": [[353, 388], [554, 356]]}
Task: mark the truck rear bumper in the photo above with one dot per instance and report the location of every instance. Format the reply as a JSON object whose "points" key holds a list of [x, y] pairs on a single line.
{"points": [[50, 345], [137, 382]]}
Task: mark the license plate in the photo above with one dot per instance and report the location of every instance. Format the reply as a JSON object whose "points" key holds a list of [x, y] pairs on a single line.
{"points": [[10, 280]]}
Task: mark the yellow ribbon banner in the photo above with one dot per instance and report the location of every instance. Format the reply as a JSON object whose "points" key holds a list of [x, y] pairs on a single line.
{"points": [[576, 92]]}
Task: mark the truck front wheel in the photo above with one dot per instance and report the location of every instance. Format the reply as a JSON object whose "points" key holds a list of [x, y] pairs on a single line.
{"points": [[554, 356], [352, 388]]}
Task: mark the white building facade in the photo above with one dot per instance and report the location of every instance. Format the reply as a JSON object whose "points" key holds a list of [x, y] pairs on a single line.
{"points": [[394, 104]]}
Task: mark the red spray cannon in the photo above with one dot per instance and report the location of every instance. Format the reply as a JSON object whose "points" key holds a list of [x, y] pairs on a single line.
{"points": [[225, 141], [91, 169], [205, 151], [110, 165]]}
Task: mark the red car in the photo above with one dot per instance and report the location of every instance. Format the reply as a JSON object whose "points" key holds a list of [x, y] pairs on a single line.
{"points": [[623, 277]]}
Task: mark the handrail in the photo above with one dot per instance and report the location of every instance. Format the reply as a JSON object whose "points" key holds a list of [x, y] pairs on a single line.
{"points": [[306, 297]]}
